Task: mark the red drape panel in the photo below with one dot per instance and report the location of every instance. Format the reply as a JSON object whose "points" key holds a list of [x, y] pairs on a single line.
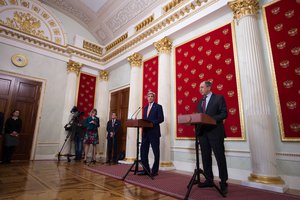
{"points": [[208, 57], [86, 93], [150, 78], [283, 23]]}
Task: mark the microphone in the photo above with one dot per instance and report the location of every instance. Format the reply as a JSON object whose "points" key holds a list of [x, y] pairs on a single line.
{"points": [[140, 108], [135, 112]]}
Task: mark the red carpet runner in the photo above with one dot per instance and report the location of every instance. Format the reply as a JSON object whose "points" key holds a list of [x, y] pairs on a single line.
{"points": [[175, 185]]}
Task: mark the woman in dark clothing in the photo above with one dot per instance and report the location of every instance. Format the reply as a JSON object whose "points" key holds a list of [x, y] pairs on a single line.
{"points": [[13, 127], [92, 124]]}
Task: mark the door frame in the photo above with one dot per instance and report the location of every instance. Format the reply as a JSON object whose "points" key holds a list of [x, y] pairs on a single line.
{"points": [[108, 110], [39, 111]]}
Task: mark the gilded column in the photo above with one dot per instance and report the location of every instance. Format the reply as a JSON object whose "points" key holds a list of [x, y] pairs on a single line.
{"points": [[135, 101], [164, 47], [73, 69], [102, 96], [258, 117]]}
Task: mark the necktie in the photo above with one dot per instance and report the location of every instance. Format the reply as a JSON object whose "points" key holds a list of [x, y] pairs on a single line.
{"points": [[204, 104], [149, 108], [113, 123]]}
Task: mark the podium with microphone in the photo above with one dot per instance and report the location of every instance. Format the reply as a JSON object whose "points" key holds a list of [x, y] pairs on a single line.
{"points": [[137, 123]]}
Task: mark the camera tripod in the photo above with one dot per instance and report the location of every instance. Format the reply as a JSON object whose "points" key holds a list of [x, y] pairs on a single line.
{"points": [[70, 133]]}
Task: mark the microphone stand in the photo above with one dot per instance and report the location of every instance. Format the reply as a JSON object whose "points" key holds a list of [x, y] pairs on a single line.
{"points": [[135, 112]]}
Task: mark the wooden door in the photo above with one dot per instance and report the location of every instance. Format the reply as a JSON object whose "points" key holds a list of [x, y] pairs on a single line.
{"points": [[119, 101], [21, 94]]}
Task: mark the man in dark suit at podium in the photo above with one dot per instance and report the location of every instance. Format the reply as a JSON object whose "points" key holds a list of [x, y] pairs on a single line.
{"points": [[112, 129], [211, 137], [150, 136]]}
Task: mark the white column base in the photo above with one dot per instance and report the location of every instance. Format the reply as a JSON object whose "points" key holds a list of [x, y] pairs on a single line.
{"points": [[125, 162], [167, 168], [274, 188]]}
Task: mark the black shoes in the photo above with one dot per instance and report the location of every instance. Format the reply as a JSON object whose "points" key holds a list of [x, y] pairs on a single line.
{"points": [[224, 187], [206, 184], [143, 173], [154, 174]]}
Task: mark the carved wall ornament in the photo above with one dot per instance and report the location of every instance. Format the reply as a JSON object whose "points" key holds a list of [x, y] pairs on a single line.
{"points": [[242, 8], [164, 45], [32, 18], [25, 22], [135, 60], [19, 60], [127, 13], [104, 75], [73, 66]]}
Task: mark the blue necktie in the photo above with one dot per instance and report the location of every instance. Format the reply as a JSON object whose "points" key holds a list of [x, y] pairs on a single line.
{"points": [[204, 104]]}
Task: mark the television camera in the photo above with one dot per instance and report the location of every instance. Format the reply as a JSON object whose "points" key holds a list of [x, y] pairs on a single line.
{"points": [[75, 118], [71, 128]]}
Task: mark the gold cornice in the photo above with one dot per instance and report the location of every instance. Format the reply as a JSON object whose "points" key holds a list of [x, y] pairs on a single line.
{"points": [[92, 47], [73, 66], [116, 42], [103, 75], [144, 23], [135, 60], [164, 22], [49, 45], [171, 5], [265, 179], [164, 45], [242, 8]]}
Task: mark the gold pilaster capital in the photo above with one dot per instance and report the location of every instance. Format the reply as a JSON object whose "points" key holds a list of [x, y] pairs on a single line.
{"points": [[164, 45], [73, 66], [103, 75], [135, 60], [242, 8]]}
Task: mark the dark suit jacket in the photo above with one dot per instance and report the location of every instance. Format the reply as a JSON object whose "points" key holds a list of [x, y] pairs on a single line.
{"points": [[110, 128], [217, 109], [156, 116], [1, 122]]}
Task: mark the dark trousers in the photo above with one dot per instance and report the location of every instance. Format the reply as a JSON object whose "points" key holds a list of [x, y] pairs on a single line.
{"points": [[217, 145], [112, 149], [78, 147], [8, 153], [146, 142]]}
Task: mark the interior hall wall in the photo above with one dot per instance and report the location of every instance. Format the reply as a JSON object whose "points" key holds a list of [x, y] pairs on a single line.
{"points": [[53, 73], [237, 152]]}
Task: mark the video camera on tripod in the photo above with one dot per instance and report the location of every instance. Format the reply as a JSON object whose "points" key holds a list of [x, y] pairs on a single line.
{"points": [[71, 127], [75, 118]]}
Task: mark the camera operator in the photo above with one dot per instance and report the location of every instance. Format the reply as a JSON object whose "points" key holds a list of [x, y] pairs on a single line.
{"points": [[75, 129], [78, 139], [91, 135]]}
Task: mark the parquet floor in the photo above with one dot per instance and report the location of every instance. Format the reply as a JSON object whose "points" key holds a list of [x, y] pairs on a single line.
{"points": [[62, 180]]}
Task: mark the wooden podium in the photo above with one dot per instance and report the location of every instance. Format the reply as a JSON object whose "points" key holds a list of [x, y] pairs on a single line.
{"points": [[194, 119], [137, 123]]}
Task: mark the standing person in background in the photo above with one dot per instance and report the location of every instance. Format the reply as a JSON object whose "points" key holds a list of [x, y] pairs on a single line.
{"points": [[78, 139], [1, 122], [112, 129], [212, 137], [13, 126], [92, 124], [151, 136]]}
